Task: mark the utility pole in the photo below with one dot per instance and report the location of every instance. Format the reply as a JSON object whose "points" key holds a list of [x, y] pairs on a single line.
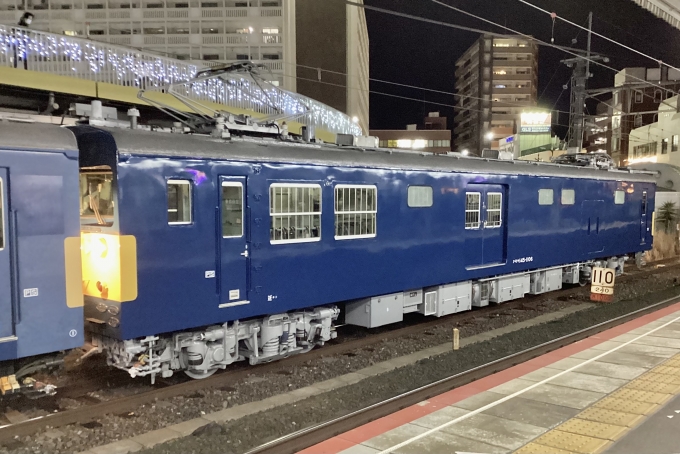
{"points": [[579, 78]]}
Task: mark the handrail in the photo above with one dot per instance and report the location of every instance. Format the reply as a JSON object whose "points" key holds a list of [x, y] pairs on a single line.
{"points": [[34, 50]]}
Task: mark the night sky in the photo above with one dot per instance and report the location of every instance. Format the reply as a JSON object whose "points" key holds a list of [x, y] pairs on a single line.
{"points": [[415, 53]]}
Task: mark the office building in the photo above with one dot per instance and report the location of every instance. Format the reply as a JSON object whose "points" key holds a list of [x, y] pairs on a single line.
{"points": [[430, 136]]}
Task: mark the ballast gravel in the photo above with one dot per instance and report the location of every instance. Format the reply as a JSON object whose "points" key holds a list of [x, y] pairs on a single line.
{"points": [[248, 432]]}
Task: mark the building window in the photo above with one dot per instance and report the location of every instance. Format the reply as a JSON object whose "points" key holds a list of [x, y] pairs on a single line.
{"points": [[232, 210], [664, 146], [568, 196], [638, 120], [658, 96], [545, 196], [242, 57], [270, 57], [179, 202], [675, 143], [211, 57], [472, 208], [494, 203], [638, 96], [270, 31], [619, 197], [356, 209], [420, 196], [499, 86], [295, 212]]}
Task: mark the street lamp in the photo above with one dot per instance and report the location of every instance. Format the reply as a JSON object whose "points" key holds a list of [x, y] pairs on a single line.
{"points": [[489, 136]]}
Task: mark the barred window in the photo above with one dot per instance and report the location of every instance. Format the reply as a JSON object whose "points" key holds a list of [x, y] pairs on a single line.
{"points": [[494, 204], [295, 211], [619, 197], [179, 202], [568, 196], [356, 209], [472, 208], [545, 196], [420, 196]]}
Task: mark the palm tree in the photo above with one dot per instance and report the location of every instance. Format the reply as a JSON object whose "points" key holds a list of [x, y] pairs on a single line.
{"points": [[667, 216]]}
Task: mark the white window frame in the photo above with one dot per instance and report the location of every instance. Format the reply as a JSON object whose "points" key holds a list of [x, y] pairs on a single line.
{"points": [[233, 184], [478, 211], [573, 199], [311, 213], [408, 192], [374, 211], [3, 208], [616, 197], [499, 210], [552, 197], [191, 201]]}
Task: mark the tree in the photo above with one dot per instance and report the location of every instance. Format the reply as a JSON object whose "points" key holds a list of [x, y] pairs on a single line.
{"points": [[667, 216]]}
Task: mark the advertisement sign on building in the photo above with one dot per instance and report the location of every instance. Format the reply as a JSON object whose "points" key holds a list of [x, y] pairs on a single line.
{"points": [[535, 122]]}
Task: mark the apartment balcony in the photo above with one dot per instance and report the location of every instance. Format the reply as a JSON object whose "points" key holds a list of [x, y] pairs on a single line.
{"points": [[513, 50], [512, 91], [512, 77], [514, 63]]}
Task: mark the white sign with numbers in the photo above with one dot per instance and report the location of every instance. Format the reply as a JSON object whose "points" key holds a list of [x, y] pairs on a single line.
{"points": [[602, 281]]}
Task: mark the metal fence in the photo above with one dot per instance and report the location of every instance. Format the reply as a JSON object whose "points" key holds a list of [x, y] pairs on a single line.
{"points": [[80, 58]]}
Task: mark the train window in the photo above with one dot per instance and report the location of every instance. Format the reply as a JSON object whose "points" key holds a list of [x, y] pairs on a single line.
{"points": [[179, 202], [472, 208], [494, 204], [356, 210], [619, 197], [232, 210], [568, 196], [420, 196], [295, 212], [545, 196], [96, 195], [2, 216]]}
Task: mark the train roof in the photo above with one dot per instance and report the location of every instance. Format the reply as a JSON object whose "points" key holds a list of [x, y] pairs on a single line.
{"points": [[36, 136], [193, 146]]}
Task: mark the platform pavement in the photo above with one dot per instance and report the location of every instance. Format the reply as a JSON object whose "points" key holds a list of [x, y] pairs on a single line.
{"points": [[184, 429], [578, 399]]}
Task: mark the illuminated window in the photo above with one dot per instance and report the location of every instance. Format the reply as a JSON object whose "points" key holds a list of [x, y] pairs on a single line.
{"points": [[664, 145], [472, 209], [271, 31], [568, 196], [295, 213], [619, 197], [232, 210], [494, 204], [420, 196], [96, 196], [676, 142], [356, 210], [545, 196], [179, 202]]}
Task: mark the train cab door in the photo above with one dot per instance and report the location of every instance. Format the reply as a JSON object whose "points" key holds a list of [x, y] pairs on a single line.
{"points": [[6, 288], [233, 237], [643, 218], [485, 225]]}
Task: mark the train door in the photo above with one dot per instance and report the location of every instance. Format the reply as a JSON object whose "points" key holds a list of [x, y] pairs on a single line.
{"points": [[592, 211], [234, 236], [485, 225], [643, 218], [6, 317]]}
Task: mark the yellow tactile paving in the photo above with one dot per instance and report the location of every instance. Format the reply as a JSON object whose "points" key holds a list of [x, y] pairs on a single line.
{"points": [[626, 406], [667, 370], [617, 418], [592, 428], [640, 396], [660, 378], [571, 442], [645, 385], [673, 362], [535, 448]]}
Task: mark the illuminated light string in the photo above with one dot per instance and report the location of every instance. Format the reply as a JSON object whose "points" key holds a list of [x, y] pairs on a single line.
{"points": [[145, 71]]}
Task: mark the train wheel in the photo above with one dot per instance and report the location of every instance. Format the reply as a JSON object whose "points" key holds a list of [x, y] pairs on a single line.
{"points": [[200, 375]]}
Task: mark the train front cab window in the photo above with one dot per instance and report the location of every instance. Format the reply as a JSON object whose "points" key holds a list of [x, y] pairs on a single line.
{"points": [[295, 212], [179, 202], [97, 195]]}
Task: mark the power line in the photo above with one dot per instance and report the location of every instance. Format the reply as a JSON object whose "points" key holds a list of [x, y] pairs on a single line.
{"points": [[660, 62]]}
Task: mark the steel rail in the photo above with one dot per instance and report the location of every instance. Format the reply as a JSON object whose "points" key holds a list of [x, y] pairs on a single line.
{"points": [[311, 436]]}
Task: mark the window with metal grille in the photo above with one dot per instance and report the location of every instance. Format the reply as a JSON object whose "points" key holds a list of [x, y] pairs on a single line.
{"points": [[494, 204], [179, 202], [568, 196], [545, 196], [356, 211], [619, 197], [472, 209], [295, 212], [420, 196]]}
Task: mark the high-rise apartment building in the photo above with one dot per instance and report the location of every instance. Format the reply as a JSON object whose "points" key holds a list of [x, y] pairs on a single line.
{"points": [[496, 80], [284, 36]]}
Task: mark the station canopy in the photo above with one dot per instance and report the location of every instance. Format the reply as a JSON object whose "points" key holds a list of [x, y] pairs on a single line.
{"points": [[668, 10]]}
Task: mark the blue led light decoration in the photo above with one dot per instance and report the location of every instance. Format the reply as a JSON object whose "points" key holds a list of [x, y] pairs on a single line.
{"points": [[102, 62]]}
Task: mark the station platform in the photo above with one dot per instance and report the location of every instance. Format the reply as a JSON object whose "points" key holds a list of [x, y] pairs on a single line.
{"points": [[615, 392]]}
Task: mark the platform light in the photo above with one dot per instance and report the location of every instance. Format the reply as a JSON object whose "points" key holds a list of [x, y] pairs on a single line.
{"points": [[489, 135], [355, 119], [465, 152]]}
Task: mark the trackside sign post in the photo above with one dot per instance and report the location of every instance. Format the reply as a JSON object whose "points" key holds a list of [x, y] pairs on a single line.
{"points": [[602, 285]]}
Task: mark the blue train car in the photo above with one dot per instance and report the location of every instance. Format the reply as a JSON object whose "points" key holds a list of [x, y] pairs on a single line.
{"points": [[204, 251], [41, 302]]}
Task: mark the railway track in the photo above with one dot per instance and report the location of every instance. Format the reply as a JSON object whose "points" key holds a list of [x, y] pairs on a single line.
{"points": [[92, 407], [316, 434]]}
